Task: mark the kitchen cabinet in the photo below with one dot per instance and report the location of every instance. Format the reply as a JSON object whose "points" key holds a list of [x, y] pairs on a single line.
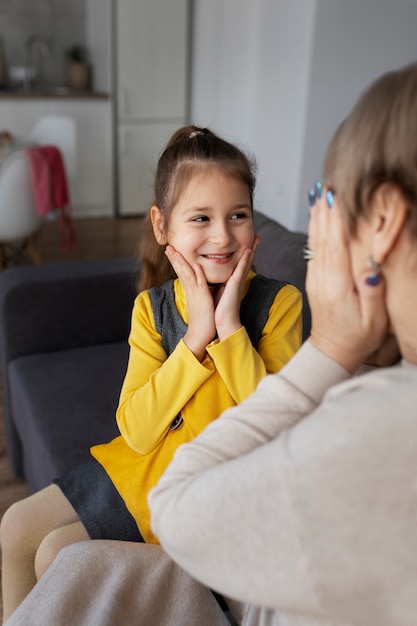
{"points": [[140, 145], [92, 189], [151, 76]]}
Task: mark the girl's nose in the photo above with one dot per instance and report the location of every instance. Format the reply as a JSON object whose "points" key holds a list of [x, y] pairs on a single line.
{"points": [[220, 234]]}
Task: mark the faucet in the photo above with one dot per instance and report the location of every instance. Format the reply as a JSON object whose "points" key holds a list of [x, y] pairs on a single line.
{"points": [[31, 44]]}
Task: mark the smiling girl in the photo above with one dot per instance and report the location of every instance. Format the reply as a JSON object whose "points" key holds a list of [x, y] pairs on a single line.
{"points": [[205, 330]]}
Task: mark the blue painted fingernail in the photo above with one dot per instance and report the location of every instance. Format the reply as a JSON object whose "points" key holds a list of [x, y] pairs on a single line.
{"points": [[311, 197], [373, 279], [330, 199], [319, 188]]}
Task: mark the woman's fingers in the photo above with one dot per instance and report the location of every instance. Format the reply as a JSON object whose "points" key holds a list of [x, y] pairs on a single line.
{"points": [[328, 270], [346, 322]]}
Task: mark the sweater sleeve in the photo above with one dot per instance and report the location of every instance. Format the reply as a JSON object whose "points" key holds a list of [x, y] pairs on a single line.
{"points": [[225, 506], [155, 388]]}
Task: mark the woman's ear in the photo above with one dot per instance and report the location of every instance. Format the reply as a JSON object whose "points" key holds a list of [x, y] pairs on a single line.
{"points": [[389, 215], [157, 220]]}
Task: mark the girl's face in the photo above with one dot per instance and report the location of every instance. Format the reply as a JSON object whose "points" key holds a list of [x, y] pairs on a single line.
{"points": [[212, 224]]}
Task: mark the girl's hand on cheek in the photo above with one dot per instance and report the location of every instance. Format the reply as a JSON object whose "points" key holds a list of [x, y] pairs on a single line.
{"points": [[348, 322], [227, 313], [200, 305]]}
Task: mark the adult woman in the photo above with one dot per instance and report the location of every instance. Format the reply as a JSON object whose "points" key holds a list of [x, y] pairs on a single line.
{"points": [[303, 498]]}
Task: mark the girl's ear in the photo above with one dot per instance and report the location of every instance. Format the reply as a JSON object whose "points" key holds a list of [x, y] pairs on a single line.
{"points": [[389, 215], [157, 220]]}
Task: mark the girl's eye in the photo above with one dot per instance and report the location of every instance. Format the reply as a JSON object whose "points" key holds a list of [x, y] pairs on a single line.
{"points": [[240, 215], [200, 218]]}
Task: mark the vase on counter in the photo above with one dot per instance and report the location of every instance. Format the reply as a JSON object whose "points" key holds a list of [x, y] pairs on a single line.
{"points": [[78, 69], [78, 76]]}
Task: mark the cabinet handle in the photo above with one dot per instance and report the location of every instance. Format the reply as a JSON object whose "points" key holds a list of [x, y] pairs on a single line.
{"points": [[123, 101], [122, 141]]}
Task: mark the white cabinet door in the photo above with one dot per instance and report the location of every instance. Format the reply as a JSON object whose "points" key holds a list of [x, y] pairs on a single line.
{"points": [[152, 58], [139, 148], [152, 90]]}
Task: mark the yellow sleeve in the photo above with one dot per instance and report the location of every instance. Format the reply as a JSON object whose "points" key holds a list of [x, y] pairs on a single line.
{"points": [[155, 388], [240, 366]]}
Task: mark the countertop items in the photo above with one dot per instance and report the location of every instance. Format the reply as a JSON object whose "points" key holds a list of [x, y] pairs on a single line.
{"points": [[59, 93]]}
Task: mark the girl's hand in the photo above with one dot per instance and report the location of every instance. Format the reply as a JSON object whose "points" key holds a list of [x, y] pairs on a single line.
{"points": [[229, 297], [200, 305], [349, 322]]}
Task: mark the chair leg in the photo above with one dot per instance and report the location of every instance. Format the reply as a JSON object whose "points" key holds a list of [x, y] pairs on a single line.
{"points": [[34, 246]]}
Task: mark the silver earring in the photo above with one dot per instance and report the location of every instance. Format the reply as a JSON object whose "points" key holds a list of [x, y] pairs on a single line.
{"points": [[373, 265], [376, 268]]}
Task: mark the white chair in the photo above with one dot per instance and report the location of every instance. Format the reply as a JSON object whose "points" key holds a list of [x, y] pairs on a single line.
{"points": [[20, 225], [59, 131]]}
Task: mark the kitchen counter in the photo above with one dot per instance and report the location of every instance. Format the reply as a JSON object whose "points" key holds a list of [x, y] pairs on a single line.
{"points": [[56, 93]]}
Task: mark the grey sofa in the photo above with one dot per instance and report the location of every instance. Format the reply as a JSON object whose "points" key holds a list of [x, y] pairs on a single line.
{"points": [[63, 350]]}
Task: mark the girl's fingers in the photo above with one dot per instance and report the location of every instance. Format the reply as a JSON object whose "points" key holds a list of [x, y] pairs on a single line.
{"points": [[200, 276], [246, 260], [192, 278], [181, 267]]}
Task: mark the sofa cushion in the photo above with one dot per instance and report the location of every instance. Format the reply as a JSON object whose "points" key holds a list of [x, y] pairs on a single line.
{"points": [[50, 394], [280, 255]]}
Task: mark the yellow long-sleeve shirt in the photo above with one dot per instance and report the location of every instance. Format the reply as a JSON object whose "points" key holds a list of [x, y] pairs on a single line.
{"points": [[157, 388]]}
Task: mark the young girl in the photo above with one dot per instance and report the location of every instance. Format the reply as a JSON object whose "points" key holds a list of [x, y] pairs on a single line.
{"points": [[201, 339]]}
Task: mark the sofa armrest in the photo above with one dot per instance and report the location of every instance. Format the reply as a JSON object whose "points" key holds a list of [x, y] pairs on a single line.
{"points": [[58, 306]]}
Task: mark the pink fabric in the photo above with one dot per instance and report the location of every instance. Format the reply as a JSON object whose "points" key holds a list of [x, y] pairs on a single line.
{"points": [[50, 188], [41, 180]]}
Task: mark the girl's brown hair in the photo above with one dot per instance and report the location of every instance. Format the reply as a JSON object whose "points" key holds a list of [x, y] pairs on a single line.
{"points": [[190, 150], [377, 143]]}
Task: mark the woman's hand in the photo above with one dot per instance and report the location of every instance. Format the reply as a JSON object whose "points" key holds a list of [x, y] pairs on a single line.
{"points": [[228, 299], [200, 305], [387, 354], [349, 322]]}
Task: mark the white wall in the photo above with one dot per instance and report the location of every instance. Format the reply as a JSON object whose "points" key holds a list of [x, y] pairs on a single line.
{"points": [[354, 42], [280, 75], [249, 83], [281, 90], [97, 146], [98, 16], [224, 65]]}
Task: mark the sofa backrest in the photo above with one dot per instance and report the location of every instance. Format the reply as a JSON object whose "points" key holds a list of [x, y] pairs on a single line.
{"points": [[64, 305], [280, 255]]}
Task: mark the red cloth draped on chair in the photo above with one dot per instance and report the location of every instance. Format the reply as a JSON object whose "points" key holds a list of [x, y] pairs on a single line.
{"points": [[50, 188]]}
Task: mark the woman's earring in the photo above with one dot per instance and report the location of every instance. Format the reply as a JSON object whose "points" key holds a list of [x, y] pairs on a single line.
{"points": [[375, 277]]}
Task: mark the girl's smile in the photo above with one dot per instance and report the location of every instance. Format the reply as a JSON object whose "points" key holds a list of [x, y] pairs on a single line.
{"points": [[219, 258]]}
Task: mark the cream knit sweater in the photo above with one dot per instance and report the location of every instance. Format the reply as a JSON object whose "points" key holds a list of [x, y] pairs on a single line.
{"points": [[303, 499]]}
